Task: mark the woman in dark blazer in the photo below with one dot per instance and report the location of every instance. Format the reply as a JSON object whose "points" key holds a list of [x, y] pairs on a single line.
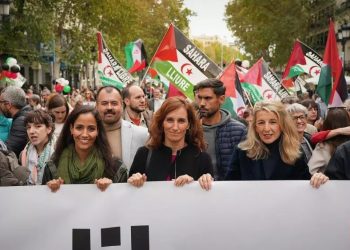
{"points": [[272, 149], [175, 149]]}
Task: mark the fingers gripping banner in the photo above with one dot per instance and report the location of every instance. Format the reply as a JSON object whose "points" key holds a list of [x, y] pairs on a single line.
{"points": [[233, 215]]}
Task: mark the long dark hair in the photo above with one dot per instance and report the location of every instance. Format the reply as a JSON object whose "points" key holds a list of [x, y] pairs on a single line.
{"points": [[194, 136], [65, 139], [336, 118]]}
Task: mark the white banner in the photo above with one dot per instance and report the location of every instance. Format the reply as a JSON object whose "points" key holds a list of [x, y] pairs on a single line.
{"points": [[159, 216]]}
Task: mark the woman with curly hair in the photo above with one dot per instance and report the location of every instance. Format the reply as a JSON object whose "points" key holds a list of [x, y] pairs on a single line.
{"points": [[272, 148], [175, 149]]}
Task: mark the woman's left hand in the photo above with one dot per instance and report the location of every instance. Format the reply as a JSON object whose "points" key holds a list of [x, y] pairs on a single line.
{"points": [[205, 181], [182, 180], [103, 183]]}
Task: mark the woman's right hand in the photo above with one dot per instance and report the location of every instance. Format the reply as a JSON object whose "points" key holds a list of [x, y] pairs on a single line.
{"points": [[55, 184], [137, 180], [318, 179]]}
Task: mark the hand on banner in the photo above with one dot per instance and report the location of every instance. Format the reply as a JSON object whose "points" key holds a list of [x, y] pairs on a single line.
{"points": [[205, 181], [137, 180], [182, 180], [318, 179], [55, 184], [103, 183]]}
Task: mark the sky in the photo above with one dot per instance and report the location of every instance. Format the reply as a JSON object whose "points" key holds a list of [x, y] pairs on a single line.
{"points": [[209, 19]]}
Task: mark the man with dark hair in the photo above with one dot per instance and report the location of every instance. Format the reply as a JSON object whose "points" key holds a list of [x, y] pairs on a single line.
{"points": [[13, 105], [221, 132], [135, 106], [123, 137]]}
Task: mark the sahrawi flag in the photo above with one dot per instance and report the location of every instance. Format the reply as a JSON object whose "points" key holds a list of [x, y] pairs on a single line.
{"points": [[261, 83], [303, 60], [136, 58], [234, 101], [332, 85], [180, 63], [110, 71]]}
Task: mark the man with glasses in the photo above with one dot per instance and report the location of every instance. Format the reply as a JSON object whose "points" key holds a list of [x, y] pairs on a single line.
{"points": [[123, 137], [13, 105]]}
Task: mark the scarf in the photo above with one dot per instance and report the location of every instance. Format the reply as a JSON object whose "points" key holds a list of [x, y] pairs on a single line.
{"points": [[36, 163], [72, 171]]}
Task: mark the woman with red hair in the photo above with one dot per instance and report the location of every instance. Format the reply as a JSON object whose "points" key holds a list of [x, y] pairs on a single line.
{"points": [[175, 149]]}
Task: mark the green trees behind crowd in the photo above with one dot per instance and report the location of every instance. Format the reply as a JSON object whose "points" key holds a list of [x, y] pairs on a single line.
{"points": [[68, 27], [269, 28]]}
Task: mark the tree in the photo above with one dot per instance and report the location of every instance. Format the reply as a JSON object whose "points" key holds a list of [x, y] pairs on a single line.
{"points": [[216, 49], [70, 27], [268, 28]]}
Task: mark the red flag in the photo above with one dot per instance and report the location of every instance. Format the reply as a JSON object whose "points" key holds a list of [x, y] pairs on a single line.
{"points": [[167, 49], [297, 57]]}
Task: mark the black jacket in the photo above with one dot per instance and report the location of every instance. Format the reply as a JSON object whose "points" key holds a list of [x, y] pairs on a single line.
{"points": [[18, 137], [189, 160], [339, 165], [272, 168]]}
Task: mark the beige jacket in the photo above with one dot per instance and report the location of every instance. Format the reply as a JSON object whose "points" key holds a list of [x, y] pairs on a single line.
{"points": [[320, 158]]}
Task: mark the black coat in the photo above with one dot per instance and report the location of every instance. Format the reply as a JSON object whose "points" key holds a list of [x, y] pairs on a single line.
{"points": [[18, 137], [272, 168], [189, 160], [339, 165]]}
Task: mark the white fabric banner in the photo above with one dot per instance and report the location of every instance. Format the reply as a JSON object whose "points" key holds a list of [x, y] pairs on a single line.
{"points": [[233, 215]]}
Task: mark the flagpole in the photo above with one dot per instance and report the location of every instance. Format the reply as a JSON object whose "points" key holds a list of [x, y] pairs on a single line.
{"points": [[247, 96]]}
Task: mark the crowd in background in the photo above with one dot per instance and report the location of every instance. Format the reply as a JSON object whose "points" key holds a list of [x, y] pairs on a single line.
{"points": [[138, 134]]}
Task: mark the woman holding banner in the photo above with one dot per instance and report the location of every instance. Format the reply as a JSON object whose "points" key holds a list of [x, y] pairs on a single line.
{"points": [[272, 149], [82, 154], [175, 149]]}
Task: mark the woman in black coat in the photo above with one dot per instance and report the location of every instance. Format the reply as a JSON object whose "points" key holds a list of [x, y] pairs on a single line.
{"points": [[175, 149]]}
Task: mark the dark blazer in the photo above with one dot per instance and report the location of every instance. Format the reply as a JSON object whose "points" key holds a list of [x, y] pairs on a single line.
{"points": [[272, 168], [339, 165], [189, 160]]}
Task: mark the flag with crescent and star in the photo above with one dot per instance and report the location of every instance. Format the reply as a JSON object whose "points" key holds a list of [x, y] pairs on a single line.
{"points": [[261, 83], [303, 60], [178, 62], [110, 70]]}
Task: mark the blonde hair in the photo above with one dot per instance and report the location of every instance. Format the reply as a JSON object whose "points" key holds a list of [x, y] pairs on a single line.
{"points": [[289, 146]]}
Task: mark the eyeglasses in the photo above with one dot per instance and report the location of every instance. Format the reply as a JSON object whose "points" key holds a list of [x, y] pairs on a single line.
{"points": [[301, 117]]}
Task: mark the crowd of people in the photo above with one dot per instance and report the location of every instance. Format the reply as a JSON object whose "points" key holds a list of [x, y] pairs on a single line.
{"points": [[136, 135]]}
